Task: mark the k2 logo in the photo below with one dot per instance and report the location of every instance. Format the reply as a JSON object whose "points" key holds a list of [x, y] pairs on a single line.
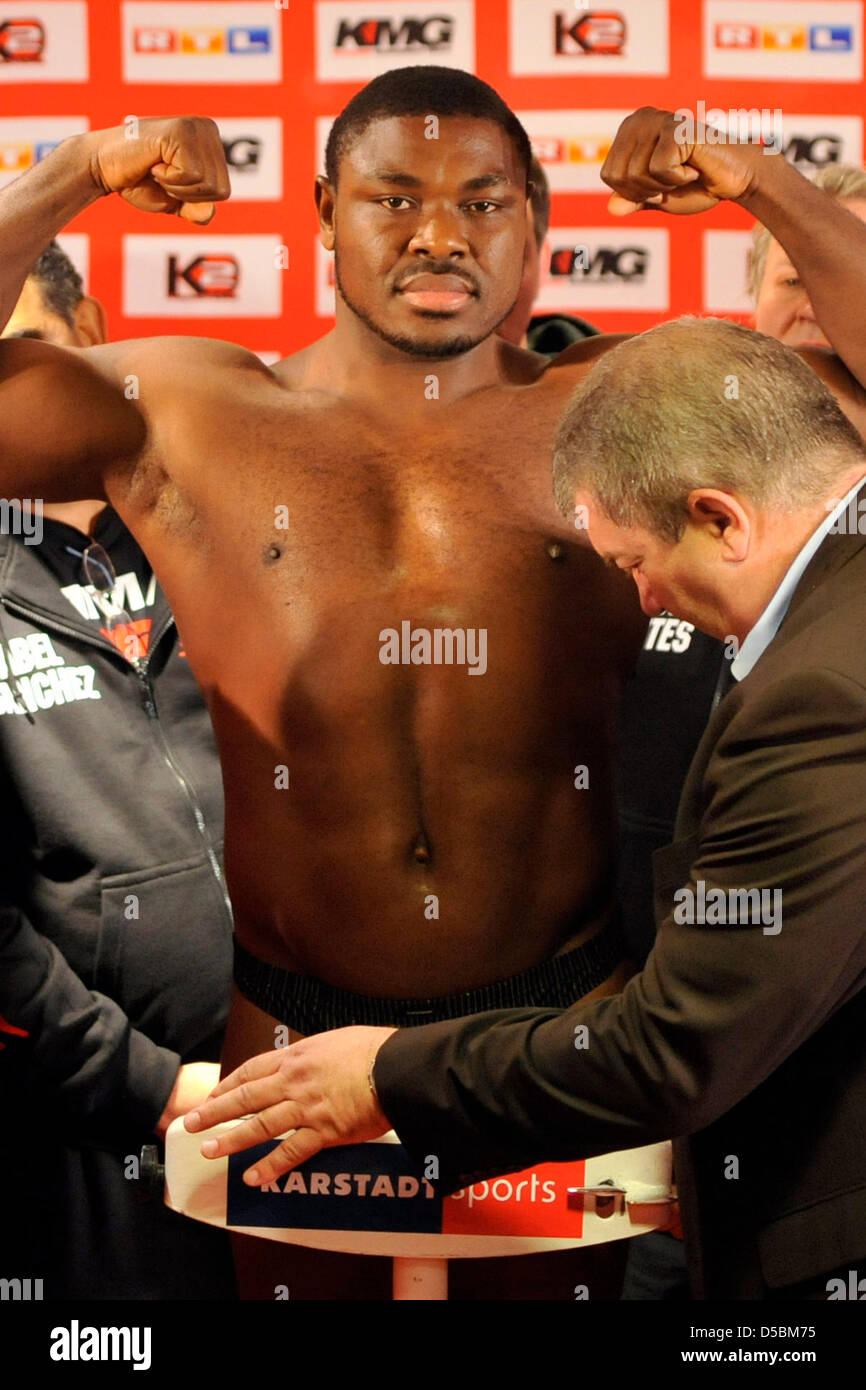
{"points": [[594, 31], [21, 41], [214, 276]]}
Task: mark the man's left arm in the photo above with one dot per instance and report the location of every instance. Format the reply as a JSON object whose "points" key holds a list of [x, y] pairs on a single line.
{"points": [[651, 165], [717, 1008], [827, 245]]}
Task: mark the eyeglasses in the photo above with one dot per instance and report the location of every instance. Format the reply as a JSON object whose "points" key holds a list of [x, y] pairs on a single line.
{"points": [[121, 630]]}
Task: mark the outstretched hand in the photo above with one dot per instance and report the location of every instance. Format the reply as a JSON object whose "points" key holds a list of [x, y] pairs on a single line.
{"points": [[318, 1088], [661, 160]]}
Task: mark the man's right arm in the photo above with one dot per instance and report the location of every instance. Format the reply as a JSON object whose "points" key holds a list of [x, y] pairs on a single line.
{"points": [[717, 1008], [80, 1050], [64, 416]]}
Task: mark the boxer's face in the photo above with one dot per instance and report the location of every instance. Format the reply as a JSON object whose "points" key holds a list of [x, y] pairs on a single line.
{"points": [[783, 309], [429, 233]]}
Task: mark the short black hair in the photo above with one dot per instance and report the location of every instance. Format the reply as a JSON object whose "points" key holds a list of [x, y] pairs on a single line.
{"points": [[421, 91], [61, 288]]}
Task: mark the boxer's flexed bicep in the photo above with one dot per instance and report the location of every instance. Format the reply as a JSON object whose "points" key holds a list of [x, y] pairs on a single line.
{"points": [[66, 418]]}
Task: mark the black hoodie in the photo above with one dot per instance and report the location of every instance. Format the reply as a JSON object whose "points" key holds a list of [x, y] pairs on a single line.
{"points": [[115, 928]]}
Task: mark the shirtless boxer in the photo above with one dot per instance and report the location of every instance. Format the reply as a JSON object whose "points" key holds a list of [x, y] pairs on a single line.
{"points": [[410, 500]]}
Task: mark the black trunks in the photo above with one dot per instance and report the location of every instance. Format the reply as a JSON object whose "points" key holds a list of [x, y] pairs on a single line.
{"points": [[309, 1006]]}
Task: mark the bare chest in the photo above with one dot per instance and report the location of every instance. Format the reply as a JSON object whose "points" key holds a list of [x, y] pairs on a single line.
{"points": [[331, 527]]}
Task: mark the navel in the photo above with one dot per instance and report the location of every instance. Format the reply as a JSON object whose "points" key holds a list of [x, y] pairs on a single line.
{"points": [[271, 553], [555, 550], [421, 849]]}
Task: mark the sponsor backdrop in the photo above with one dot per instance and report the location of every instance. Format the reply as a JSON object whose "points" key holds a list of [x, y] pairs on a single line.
{"points": [[273, 75]]}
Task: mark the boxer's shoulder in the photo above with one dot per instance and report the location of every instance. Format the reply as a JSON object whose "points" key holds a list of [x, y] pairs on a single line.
{"points": [[576, 360], [183, 353]]}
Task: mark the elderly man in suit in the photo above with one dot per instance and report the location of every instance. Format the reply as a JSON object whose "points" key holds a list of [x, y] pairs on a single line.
{"points": [[710, 463]]}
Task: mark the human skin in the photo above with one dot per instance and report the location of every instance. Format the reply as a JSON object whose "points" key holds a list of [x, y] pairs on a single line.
{"points": [[404, 781], [783, 308]]}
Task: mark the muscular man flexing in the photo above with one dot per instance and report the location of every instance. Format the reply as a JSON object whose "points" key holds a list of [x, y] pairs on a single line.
{"points": [[406, 839]]}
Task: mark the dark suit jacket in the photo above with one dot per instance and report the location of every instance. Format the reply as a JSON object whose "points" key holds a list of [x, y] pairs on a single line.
{"points": [[750, 1043]]}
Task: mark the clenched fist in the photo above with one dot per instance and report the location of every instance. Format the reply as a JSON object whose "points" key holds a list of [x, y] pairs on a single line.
{"points": [[650, 162], [169, 164]]}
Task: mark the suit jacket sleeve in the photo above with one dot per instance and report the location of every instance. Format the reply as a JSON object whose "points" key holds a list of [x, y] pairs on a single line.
{"points": [[718, 1006], [80, 1053]]}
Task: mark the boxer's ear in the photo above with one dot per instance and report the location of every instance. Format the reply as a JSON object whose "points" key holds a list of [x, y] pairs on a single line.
{"points": [[326, 195]]}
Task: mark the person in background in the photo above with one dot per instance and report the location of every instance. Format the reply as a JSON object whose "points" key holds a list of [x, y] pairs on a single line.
{"points": [[547, 334], [782, 306], [115, 927]]}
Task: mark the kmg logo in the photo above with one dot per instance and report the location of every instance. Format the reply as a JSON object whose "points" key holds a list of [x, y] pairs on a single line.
{"points": [[605, 263], [431, 32]]}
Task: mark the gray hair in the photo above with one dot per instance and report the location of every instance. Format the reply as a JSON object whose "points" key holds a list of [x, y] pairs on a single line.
{"points": [[699, 403], [841, 181]]}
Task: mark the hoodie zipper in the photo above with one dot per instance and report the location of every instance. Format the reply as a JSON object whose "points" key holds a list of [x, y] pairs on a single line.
{"points": [[148, 703]]}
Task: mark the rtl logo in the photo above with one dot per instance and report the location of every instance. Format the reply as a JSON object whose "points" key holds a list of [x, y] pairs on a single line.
{"points": [[607, 262], [21, 41], [16, 156], [202, 42], [213, 276], [583, 149], [434, 32], [593, 31], [785, 38]]}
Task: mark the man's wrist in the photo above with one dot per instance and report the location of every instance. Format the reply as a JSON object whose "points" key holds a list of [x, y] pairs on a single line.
{"points": [[371, 1073], [770, 175], [88, 150]]}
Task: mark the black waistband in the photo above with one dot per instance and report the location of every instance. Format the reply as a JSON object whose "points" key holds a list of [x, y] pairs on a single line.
{"points": [[310, 1006]]}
